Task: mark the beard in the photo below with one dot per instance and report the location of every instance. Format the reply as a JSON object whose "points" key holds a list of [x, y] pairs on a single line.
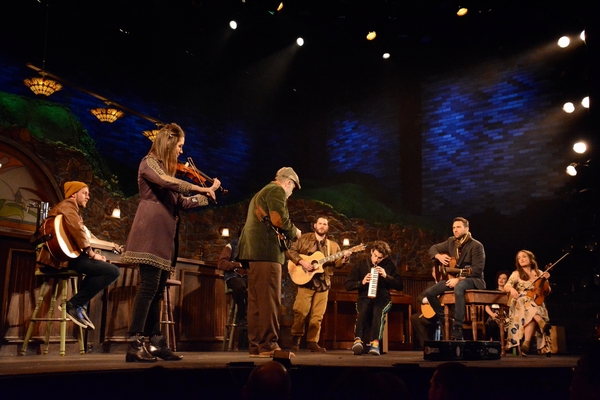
{"points": [[322, 231]]}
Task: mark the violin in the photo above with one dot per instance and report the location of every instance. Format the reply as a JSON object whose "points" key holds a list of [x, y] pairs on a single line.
{"points": [[540, 287], [190, 171]]}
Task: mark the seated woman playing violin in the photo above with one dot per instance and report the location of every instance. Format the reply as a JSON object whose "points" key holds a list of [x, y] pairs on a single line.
{"points": [[527, 288]]}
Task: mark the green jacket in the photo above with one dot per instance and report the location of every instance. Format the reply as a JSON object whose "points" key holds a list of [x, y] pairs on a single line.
{"points": [[258, 242]]}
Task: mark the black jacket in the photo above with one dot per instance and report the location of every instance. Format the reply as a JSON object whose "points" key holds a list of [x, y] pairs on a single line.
{"points": [[363, 267]]}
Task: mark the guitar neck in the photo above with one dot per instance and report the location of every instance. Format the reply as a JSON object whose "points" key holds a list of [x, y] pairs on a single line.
{"points": [[338, 255], [331, 257]]}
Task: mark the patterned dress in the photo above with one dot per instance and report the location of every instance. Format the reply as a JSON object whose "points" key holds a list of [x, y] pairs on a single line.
{"points": [[522, 310]]}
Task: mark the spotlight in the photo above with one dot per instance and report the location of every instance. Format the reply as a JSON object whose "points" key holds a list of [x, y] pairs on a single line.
{"points": [[585, 102], [579, 147], [572, 169], [568, 107], [233, 25], [582, 35], [462, 11], [300, 42], [386, 55], [563, 42], [371, 35]]}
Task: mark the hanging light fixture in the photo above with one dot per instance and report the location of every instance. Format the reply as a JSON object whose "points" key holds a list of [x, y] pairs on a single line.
{"points": [[151, 134], [41, 85], [108, 115]]}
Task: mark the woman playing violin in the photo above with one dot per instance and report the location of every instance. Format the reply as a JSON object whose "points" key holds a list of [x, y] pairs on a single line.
{"points": [[152, 241], [526, 316]]}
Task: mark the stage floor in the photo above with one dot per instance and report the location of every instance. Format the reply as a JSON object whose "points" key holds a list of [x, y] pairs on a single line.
{"points": [[222, 374]]}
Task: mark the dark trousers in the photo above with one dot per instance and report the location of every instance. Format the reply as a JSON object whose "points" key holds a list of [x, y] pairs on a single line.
{"points": [[97, 276], [423, 329], [439, 288], [239, 291], [371, 317], [146, 306]]}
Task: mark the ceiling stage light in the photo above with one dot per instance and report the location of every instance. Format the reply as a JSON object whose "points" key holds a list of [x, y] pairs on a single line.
{"points": [[568, 107], [564, 42], [386, 55], [582, 35], [462, 11], [371, 35], [580, 147], [571, 169], [300, 41], [586, 102], [233, 24]]}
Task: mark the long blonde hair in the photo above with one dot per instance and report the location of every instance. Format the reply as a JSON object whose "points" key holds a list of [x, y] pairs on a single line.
{"points": [[165, 146]]}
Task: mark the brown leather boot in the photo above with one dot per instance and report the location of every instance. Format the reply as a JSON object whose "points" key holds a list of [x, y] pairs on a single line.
{"points": [[296, 343], [314, 347]]}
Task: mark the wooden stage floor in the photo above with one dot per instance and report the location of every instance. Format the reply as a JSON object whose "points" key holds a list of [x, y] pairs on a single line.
{"points": [[222, 374]]}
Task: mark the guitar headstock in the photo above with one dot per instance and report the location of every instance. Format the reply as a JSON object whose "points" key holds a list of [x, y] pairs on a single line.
{"points": [[359, 247]]}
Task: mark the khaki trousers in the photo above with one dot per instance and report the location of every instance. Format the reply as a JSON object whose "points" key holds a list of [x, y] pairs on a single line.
{"points": [[308, 301], [264, 304]]}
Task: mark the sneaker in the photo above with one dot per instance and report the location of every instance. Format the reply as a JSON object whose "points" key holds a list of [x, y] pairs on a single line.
{"points": [[374, 348], [357, 347], [76, 314]]}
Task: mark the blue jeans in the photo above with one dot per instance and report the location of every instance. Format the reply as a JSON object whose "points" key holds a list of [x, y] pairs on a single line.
{"points": [[146, 306], [98, 275], [459, 297]]}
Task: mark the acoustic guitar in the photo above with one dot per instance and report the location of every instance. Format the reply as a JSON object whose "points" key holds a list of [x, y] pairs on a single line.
{"points": [[301, 276], [445, 272], [427, 311], [60, 244]]}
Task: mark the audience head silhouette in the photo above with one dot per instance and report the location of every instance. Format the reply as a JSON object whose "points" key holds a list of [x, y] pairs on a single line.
{"points": [[453, 381], [269, 381]]}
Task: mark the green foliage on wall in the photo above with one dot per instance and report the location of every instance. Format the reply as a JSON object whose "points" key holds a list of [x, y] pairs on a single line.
{"points": [[56, 124]]}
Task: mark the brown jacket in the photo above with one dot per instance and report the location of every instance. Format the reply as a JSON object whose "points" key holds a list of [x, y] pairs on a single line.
{"points": [[75, 229]]}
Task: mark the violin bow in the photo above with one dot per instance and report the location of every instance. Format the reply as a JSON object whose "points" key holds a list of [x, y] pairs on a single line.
{"points": [[547, 269]]}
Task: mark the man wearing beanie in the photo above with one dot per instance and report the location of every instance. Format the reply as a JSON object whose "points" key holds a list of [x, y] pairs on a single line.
{"points": [[98, 273]]}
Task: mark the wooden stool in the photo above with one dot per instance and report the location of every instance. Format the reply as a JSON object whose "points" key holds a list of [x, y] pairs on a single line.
{"points": [[231, 325], [475, 297], [167, 315], [60, 278]]}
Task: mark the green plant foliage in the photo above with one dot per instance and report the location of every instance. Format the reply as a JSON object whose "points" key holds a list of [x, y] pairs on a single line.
{"points": [[56, 124]]}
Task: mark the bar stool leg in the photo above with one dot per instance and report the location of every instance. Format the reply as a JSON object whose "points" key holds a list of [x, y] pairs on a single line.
{"points": [[33, 316], [50, 314], [168, 320], [233, 326]]}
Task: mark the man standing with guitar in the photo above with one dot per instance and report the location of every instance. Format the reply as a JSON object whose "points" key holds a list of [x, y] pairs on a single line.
{"points": [[98, 273], [260, 247], [469, 256], [312, 296]]}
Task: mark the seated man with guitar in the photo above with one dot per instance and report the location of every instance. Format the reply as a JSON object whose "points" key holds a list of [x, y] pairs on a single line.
{"points": [[66, 243], [312, 259], [459, 265]]}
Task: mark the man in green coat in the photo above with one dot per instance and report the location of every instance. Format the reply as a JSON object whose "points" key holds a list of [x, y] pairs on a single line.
{"points": [[261, 246]]}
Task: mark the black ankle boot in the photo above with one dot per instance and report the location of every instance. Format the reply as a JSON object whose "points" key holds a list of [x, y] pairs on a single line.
{"points": [[158, 347], [137, 351], [457, 333]]}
